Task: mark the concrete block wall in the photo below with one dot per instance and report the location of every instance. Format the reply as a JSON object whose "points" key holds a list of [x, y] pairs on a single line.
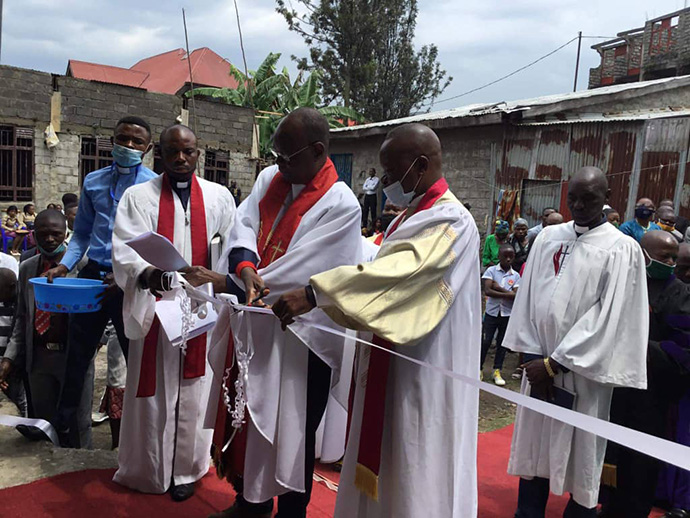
{"points": [[635, 51], [608, 63], [92, 109], [54, 168], [24, 96], [594, 77], [466, 163]]}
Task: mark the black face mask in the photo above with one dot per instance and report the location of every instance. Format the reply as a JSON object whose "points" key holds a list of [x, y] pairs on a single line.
{"points": [[643, 212]]}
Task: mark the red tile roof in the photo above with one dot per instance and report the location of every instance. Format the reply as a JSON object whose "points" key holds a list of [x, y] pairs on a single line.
{"points": [[165, 73]]}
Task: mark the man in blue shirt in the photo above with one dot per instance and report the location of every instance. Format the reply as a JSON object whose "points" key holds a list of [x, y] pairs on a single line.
{"points": [[93, 230], [638, 227]]}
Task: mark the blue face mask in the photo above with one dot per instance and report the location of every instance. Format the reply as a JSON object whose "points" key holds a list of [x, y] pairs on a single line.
{"points": [[55, 252], [126, 157]]}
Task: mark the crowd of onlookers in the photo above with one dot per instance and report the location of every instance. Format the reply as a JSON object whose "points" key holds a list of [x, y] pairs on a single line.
{"points": [[502, 270]]}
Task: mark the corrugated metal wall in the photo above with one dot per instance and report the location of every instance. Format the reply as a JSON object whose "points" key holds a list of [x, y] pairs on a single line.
{"points": [[641, 158]]}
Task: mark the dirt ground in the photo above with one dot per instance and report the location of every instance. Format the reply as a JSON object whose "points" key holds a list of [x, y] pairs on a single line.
{"points": [[22, 461], [494, 412]]}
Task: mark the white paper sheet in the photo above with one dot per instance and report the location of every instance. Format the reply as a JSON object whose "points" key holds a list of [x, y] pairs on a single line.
{"points": [[159, 251]]}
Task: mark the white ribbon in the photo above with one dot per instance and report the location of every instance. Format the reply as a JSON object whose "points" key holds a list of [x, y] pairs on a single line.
{"points": [[661, 449], [42, 424]]}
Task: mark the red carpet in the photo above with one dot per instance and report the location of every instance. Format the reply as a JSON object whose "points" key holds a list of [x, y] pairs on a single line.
{"points": [[91, 493]]}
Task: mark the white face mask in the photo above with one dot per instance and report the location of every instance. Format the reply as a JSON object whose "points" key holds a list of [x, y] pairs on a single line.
{"points": [[397, 195]]}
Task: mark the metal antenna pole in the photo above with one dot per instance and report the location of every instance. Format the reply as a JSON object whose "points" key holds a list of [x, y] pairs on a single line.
{"points": [[0, 31], [189, 62], [577, 63]]}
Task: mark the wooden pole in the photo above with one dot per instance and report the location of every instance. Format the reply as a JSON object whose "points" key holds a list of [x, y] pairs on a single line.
{"points": [[577, 62]]}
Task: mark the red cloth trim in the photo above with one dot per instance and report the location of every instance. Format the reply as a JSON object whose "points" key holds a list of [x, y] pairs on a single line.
{"points": [[430, 197], [243, 265], [369, 454], [272, 244], [229, 464], [195, 357], [379, 239]]}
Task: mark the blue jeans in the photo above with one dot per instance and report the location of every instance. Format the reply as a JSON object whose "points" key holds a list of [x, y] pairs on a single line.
{"points": [[492, 326], [533, 495]]}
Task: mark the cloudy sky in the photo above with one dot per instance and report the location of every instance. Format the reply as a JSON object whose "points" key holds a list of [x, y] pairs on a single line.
{"points": [[478, 41]]}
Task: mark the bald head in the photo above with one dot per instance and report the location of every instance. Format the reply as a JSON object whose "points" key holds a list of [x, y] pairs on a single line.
{"points": [[8, 285], [661, 246], [555, 218], [683, 263], [301, 142], [588, 190], [412, 152], [179, 152]]}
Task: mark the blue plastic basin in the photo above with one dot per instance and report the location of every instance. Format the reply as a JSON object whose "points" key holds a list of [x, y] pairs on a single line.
{"points": [[66, 295]]}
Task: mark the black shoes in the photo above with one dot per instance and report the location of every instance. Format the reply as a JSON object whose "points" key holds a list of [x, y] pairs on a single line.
{"points": [[182, 492]]}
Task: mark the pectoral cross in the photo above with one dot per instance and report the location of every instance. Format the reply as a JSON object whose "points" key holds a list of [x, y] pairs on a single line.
{"points": [[276, 250]]}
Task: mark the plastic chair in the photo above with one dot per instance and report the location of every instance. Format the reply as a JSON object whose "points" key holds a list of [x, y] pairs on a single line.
{"points": [[5, 240]]}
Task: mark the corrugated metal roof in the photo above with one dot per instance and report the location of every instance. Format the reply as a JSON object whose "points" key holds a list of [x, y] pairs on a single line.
{"points": [[164, 73], [609, 117], [476, 110], [168, 72], [106, 73]]}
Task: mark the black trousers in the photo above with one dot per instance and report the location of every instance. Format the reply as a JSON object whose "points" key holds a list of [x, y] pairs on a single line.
{"points": [[646, 411], [533, 496], [493, 325], [85, 331], [370, 202], [294, 504]]}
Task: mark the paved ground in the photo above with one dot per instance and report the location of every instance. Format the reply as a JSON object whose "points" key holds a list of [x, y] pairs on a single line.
{"points": [[22, 461]]}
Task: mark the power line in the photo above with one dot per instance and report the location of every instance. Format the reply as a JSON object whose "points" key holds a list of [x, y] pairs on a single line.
{"points": [[508, 75]]}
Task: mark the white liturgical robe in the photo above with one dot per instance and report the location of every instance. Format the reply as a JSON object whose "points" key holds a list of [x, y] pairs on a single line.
{"points": [[422, 294], [583, 302], [166, 435], [327, 236]]}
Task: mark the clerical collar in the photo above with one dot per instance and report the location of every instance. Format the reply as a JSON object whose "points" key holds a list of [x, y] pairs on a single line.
{"points": [[182, 185], [582, 230], [125, 170]]}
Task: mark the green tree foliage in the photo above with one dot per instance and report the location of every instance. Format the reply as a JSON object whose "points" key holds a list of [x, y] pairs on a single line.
{"points": [[274, 95], [364, 50]]}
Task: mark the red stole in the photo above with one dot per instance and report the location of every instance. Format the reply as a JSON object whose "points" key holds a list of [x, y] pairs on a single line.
{"points": [[195, 357], [272, 244], [369, 454]]}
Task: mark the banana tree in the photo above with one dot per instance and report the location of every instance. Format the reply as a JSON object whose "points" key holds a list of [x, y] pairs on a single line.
{"points": [[273, 95]]}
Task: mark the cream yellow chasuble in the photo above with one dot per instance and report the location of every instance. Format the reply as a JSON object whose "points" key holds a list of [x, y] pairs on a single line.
{"points": [[421, 294]]}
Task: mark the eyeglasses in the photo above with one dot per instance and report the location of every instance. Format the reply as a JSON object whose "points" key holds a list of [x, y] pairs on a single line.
{"points": [[280, 158]]}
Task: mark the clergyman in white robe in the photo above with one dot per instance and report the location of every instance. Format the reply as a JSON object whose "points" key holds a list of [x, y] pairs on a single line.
{"points": [[422, 294], [327, 236], [165, 436], [582, 302]]}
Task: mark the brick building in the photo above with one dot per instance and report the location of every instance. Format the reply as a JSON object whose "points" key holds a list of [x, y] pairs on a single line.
{"points": [[659, 49], [638, 134], [83, 114]]}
